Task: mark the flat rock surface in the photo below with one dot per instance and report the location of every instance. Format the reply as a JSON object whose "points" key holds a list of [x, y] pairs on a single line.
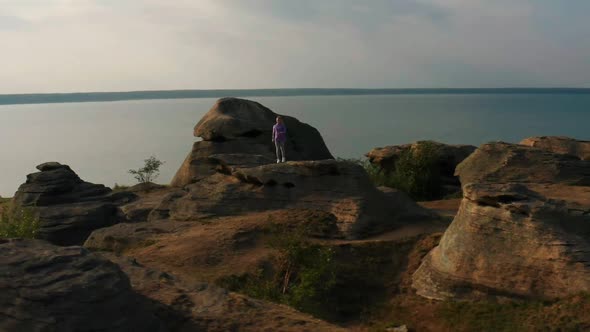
{"points": [[560, 144], [127, 236], [207, 250], [338, 187], [500, 162], [444, 207]]}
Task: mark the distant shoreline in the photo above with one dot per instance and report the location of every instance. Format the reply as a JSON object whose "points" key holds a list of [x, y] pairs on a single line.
{"points": [[81, 97]]}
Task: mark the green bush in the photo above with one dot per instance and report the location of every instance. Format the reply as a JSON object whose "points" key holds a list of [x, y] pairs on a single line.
{"points": [[416, 172], [301, 276], [18, 223], [149, 171], [306, 270]]}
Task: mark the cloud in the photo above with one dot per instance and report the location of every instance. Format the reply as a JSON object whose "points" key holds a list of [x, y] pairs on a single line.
{"points": [[89, 45]]}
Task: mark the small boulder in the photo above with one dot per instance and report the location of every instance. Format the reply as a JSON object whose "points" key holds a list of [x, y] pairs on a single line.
{"points": [[68, 208], [49, 166]]}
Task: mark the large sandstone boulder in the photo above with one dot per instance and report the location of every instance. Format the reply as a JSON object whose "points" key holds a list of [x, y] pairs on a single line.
{"points": [[522, 230], [49, 288], [560, 144], [447, 158], [501, 162], [69, 209], [237, 133], [339, 187]]}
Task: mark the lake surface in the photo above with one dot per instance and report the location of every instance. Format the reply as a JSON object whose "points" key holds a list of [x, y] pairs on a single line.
{"points": [[101, 141]]}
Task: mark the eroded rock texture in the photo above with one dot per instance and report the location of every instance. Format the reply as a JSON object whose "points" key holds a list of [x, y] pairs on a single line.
{"points": [[69, 208], [522, 230], [49, 288], [501, 162], [339, 187]]}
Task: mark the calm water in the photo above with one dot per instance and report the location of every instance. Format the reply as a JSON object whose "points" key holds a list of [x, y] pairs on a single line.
{"points": [[101, 141]]}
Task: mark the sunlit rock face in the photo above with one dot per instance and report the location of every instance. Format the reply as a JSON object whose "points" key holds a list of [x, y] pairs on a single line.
{"points": [[560, 144], [237, 133], [522, 230]]}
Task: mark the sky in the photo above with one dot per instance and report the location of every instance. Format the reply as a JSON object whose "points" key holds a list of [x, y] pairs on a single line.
{"points": [[119, 45]]}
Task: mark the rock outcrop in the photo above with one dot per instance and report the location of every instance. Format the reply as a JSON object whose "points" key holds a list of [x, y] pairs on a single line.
{"points": [[237, 133], [49, 288], [501, 162], [560, 144], [233, 172], [522, 230], [69, 209], [198, 306], [148, 198], [447, 158], [339, 187]]}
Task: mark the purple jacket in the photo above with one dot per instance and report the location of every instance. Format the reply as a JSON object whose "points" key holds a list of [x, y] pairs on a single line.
{"points": [[279, 133]]}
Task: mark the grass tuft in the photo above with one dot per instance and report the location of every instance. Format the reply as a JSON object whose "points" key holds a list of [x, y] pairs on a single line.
{"points": [[18, 222]]}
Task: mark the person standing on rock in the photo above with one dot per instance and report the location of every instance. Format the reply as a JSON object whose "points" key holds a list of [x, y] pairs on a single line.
{"points": [[279, 137]]}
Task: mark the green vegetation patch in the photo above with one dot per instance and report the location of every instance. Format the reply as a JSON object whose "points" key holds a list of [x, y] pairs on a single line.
{"points": [[18, 222], [336, 282], [149, 172], [301, 274], [416, 172]]}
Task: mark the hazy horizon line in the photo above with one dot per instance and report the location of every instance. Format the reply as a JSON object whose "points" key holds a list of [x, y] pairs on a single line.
{"points": [[105, 96]]}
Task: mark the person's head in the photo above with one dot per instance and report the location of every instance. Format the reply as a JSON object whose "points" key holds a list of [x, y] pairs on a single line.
{"points": [[280, 119]]}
